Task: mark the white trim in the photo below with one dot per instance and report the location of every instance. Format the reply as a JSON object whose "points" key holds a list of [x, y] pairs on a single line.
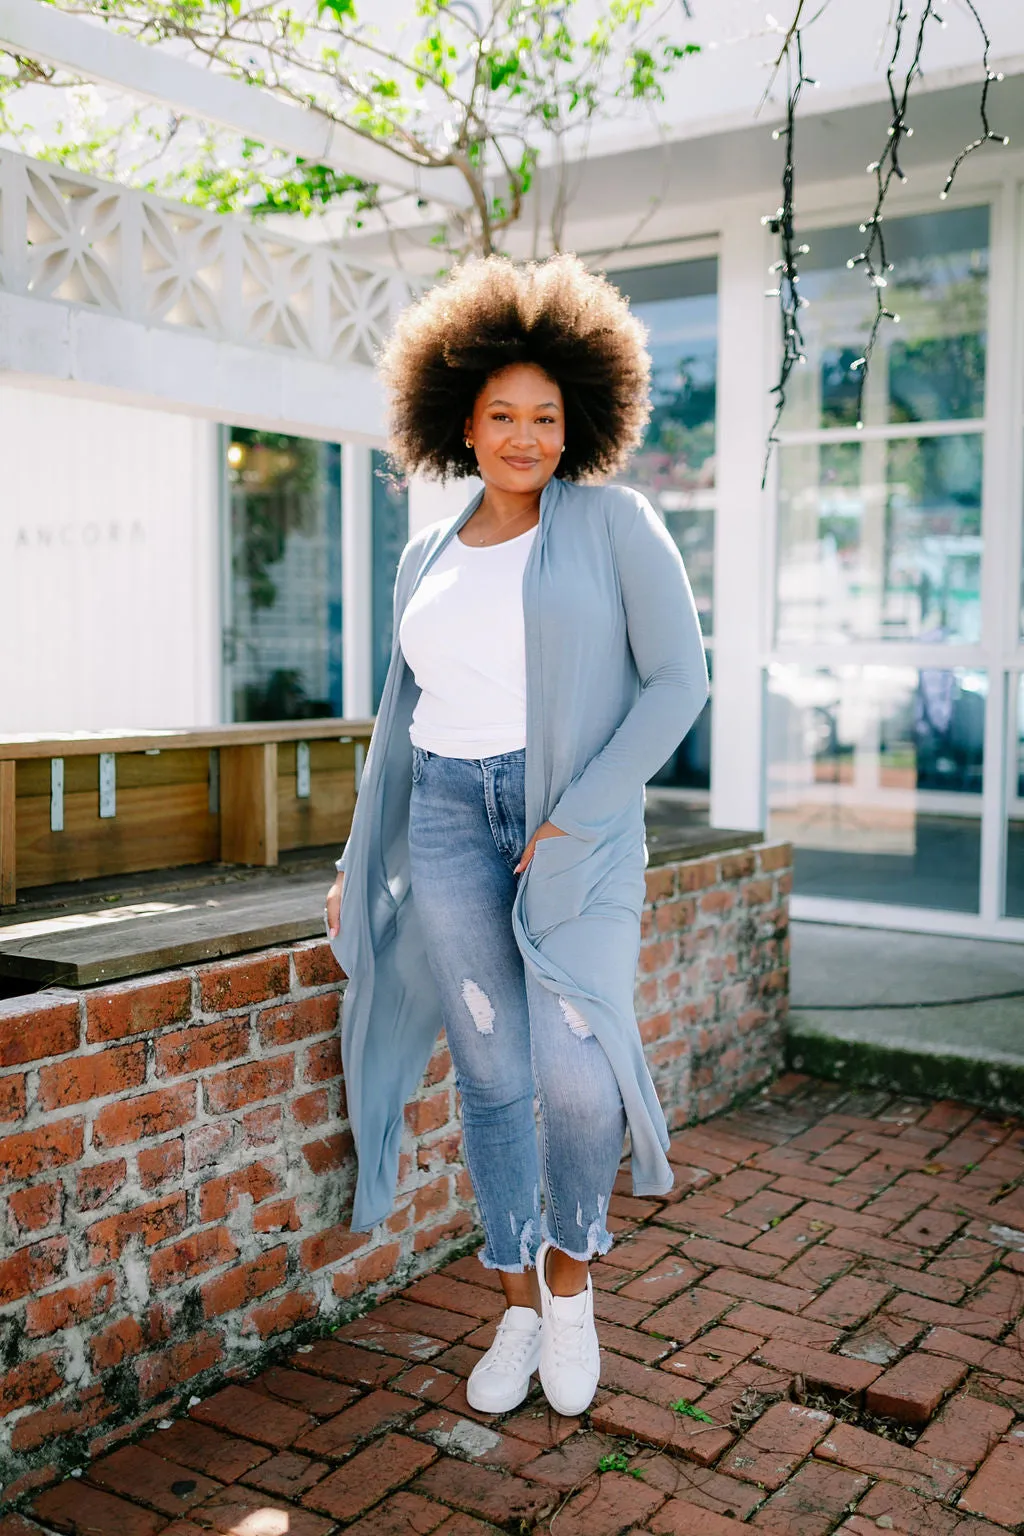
{"points": [[884, 432], [866, 914], [741, 551], [357, 580]]}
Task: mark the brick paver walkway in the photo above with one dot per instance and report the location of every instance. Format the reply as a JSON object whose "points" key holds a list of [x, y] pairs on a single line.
{"points": [[821, 1330]]}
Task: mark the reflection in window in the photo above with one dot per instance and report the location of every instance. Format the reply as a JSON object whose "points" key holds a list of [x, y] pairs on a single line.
{"points": [[875, 776], [929, 367], [880, 540], [390, 513], [283, 647], [1015, 824], [675, 467]]}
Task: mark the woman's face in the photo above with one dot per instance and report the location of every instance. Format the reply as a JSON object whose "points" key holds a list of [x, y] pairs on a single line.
{"points": [[518, 428]]}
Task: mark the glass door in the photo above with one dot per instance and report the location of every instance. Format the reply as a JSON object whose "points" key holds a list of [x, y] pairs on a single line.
{"points": [[282, 635], [883, 659]]}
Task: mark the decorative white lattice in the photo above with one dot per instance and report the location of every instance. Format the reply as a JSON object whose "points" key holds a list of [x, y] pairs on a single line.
{"points": [[88, 243]]}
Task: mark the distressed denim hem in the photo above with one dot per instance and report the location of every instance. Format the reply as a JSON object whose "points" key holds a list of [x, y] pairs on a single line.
{"points": [[598, 1244], [529, 1242]]}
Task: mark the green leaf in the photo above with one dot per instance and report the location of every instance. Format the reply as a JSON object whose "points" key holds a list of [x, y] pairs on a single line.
{"points": [[688, 1411], [344, 10]]}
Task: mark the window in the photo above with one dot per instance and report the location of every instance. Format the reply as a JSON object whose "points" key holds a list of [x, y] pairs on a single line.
{"points": [[282, 638], [675, 467]]}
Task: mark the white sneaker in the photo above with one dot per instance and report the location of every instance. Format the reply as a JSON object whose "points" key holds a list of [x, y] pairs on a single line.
{"points": [[501, 1379], [570, 1358]]}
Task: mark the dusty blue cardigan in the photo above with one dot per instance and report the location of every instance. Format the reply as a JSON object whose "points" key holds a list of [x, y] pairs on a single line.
{"points": [[616, 676]]}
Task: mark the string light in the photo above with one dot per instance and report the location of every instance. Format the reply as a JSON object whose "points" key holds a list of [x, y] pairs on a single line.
{"points": [[873, 258]]}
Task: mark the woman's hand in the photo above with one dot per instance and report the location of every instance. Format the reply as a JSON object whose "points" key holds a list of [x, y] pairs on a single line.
{"points": [[546, 829], [333, 906]]}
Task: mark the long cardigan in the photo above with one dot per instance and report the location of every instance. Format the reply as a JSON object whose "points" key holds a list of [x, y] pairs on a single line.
{"points": [[615, 677]]}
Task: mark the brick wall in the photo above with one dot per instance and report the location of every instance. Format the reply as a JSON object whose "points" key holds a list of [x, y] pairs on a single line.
{"points": [[176, 1166]]}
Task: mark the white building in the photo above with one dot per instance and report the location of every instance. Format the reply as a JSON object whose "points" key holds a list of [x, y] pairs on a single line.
{"points": [[183, 540]]}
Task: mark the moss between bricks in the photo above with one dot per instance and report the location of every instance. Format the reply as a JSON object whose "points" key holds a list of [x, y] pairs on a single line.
{"points": [[863, 1064], [72, 1452]]}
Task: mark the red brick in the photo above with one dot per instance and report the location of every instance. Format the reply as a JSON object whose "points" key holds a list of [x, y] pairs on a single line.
{"points": [[343, 1362], [315, 965], [997, 1490], [136, 1007], [165, 1371], [236, 1510], [97, 1075], [13, 1099], [662, 1281], [158, 1165], [34, 1027], [219, 1196], [65, 1309], [329, 1153], [30, 1382], [878, 1457], [282, 1315], [965, 1431], [612, 1503], [688, 1315], [224, 1457], [776, 1445], [95, 1186], [27, 1154], [201, 1045], [32, 1268], [748, 1261], [323, 1061], [262, 1127], [770, 1293], [458, 1226], [442, 1291], [139, 1474], [191, 1255], [148, 1114], [298, 1020], [240, 983], [632, 1416], [371, 1415], [330, 1245], [277, 1216], [153, 1222], [37, 1207], [315, 1394], [913, 1389], [811, 1502], [491, 1495], [848, 1302], [311, 1108], [425, 1115], [370, 1474], [247, 1084], [250, 1414], [817, 1367], [204, 1144], [238, 1286], [403, 1514], [681, 1517], [377, 1265], [119, 1341], [74, 1506], [286, 1476]]}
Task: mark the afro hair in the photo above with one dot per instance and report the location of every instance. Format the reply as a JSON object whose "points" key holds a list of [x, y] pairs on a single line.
{"points": [[490, 313]]}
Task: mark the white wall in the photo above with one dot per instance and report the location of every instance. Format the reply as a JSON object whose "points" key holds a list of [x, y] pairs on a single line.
{"points": [[429, 501], [108, 566]]}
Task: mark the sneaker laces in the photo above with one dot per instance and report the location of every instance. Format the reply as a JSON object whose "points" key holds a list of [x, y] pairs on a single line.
{"points": [[511, 1346], [568, 1339]]}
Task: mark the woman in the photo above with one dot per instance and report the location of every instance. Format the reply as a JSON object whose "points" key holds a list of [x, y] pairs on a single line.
{"points": [[547, 661]]}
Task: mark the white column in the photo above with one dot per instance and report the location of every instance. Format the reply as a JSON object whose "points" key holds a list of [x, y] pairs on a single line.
{"points": [[357, 581], [429, 501], [742, 534]]}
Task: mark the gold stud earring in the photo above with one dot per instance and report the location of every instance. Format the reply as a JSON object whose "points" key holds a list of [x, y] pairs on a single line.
{"points": [[468, 442]]}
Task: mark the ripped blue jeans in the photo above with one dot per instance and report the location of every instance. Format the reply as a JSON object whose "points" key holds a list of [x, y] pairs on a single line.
{"points": [[511, 1039]]}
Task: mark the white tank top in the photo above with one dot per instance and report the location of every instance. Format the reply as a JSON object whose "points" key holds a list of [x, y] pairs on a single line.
{"points": [[463, 635]]}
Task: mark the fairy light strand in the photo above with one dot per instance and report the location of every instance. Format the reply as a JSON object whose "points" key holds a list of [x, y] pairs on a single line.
{"points": [[886, 169]]}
